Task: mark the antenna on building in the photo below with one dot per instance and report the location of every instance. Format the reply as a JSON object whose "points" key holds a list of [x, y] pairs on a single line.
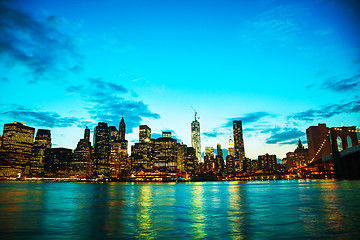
{"points": [[195, 113]]}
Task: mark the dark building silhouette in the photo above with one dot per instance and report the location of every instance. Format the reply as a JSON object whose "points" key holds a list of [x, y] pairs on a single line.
{"points": [[239, 146], [101, 149], [318, 139], [82, 157], [191, 161], [122, 129], [41, 144], [220, 165], [17, 143], [58, 162]]}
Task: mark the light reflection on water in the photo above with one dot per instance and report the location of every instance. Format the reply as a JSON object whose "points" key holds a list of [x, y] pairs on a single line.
{"points": [[207, 210]]}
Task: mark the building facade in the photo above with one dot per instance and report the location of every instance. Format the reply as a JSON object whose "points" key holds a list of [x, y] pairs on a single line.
{"points": [[239, 146], [41, 144], [195, 137], [101, 149], [17, 144]]}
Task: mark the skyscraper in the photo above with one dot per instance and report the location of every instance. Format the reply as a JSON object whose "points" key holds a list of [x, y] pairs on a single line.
{"points": [[101, 149], [195, 137], [87, 134], [238, 146], [41, 144], [82, 158], [122, 129], [17, 146]]}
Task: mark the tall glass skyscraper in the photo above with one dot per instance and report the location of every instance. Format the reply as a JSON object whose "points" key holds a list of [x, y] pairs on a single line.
{"points": [[195, 137], [238, 146]]}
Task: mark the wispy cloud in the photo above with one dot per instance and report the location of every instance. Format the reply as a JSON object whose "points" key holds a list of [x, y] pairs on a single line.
{"points": [[279, 23], [327, 111], [35, 43], [35, 117], [323, 31], [283, 136], [343, 85], [108, 103], [249, 118]]}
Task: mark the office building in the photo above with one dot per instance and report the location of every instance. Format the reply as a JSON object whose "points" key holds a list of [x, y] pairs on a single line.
{"points": [[17, 143], [239, 146], [195, 137], [41, 144], [267, 163], [58, 162], [101, 149], [82, 165]]}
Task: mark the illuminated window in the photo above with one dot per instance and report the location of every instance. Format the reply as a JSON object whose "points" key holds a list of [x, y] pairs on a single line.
{"points": [[339, 144], [349, 142]]}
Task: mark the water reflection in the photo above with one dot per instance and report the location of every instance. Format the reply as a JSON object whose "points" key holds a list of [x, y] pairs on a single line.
{"points": [[271, 210]]}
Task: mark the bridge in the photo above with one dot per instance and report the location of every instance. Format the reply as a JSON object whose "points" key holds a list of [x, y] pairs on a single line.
{"points": [[345, 156]]}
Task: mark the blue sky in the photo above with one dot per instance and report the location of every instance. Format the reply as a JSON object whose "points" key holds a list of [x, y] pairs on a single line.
{"points": [[279, 66]]}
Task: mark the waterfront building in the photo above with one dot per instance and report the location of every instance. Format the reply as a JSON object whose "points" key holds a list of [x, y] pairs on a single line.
{"points": [[195, 137], [58, 162], [230, 164], [298, 158], [82, 165], [267, 163], [181, 156], [247, 165], [318, 139], [165, 151], [41, 144], [141, 156], [17, 143], [191, 160], [144, 134], [254, 165], [239, 146], [101, 149]]}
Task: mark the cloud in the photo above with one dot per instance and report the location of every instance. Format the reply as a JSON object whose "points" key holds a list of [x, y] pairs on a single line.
{"points": [[327, 111], [283, 136], [248, 118], [35, 43], [279, 23], [34, 117], [323, 31], [212, 134], [108, 102], [344, 85]]}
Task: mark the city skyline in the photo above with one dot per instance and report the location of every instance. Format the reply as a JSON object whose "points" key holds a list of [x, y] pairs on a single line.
{"points": [[278, 66]]}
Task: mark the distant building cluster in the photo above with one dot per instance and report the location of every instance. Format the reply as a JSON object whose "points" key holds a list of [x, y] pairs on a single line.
{"points": [[152, 159]]}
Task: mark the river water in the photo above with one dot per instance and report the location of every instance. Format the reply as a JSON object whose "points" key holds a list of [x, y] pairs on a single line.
{"points": [[296, 209]]}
